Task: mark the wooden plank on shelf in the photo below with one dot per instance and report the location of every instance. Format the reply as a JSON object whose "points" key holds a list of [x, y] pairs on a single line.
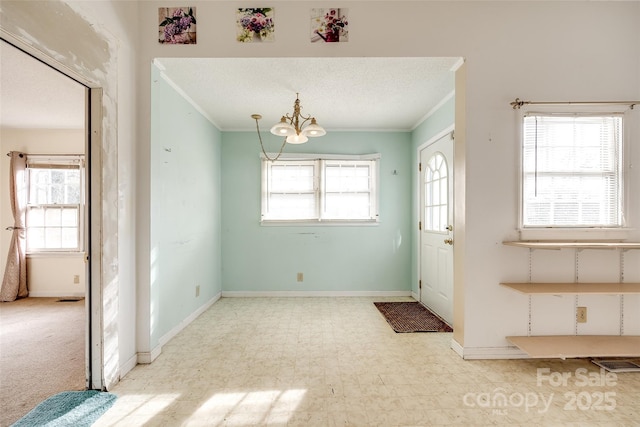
{"points": [[574, 245], [570, 346], [575, 288]]}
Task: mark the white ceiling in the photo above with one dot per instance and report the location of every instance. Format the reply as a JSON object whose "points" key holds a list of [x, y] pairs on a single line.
{"points": [[35, 96], [342, 93]]}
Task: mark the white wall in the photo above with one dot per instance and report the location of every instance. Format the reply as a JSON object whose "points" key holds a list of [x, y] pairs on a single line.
{"points": [[49, 275]]}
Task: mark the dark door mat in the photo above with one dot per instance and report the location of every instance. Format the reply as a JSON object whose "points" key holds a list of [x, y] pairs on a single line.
{"points": [[411, 317]]}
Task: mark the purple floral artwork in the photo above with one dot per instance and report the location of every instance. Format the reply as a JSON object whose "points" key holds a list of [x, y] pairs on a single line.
{"points": [[177, 25], [329, 25], [255, 25]]}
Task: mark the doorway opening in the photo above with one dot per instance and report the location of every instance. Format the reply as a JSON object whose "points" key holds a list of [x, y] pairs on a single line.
{"points": [[45, 337]]}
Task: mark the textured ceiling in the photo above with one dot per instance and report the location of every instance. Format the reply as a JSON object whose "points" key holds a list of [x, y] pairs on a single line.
{"points": [[35, 96], [341, 93]]}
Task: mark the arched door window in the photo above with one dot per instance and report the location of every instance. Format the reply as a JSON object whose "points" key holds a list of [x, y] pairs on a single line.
{"points": [[436, 188]]}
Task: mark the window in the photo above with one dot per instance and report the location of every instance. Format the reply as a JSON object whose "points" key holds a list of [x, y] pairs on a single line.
{"points": [[436, 188], [572, 171], [326, 189], [55, 203]]}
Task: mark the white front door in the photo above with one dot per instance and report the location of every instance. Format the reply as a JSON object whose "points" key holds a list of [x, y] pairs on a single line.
{"points": [[436, 235]]}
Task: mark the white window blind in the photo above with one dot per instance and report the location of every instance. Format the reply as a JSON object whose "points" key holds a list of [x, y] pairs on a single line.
{"points": [[290, 190], [348, 190], [571, 168]]}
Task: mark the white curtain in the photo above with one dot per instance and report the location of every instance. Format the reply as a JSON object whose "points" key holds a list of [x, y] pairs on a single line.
{"points": [[14, 283]]}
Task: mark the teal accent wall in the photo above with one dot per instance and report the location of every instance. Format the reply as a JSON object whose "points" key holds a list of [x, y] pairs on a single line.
{"points": [[185, 209], [332, 258], [440, 120]]}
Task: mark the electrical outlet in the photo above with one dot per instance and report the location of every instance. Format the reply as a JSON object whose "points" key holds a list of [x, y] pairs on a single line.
{"points": [[197, 291], [76, 279], [300, 277], [581, 314]]}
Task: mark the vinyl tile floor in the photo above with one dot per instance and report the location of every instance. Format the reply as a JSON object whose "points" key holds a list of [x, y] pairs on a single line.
{"points": [[336, 362]]}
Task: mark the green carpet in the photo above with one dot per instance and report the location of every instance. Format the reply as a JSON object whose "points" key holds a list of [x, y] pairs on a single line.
{"points": [[69, 408]]}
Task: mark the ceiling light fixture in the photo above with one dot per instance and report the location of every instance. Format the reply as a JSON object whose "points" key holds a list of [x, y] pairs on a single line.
{"points": [[292, 128]]}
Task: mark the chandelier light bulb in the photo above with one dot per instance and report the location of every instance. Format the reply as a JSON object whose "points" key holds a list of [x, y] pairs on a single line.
{"points": [[297, 139], [282, 128], [314, 129]]}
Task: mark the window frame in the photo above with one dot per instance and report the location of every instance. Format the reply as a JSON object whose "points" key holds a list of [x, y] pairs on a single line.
{"points": [[320, 162], [561, 232], [52, 162]]}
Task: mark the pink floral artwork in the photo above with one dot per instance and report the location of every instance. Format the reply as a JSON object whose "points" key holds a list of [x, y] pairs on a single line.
{"points": [[255, 24], [177, 25], [329, 25]]}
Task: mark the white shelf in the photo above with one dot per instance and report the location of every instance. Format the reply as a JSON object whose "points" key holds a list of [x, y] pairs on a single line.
{"points": [[569, 346], [574, 288], [574, 245]]}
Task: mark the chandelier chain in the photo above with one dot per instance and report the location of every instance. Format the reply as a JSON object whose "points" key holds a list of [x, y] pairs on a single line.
{"points": [[262, 145]]}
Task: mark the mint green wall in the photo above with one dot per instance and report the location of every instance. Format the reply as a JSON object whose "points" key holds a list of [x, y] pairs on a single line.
{"points": [[440, 120], [332, 258], [185, 208]]}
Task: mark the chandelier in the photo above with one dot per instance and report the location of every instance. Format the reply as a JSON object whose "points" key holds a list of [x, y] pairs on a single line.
{"points": [[292, 128]]}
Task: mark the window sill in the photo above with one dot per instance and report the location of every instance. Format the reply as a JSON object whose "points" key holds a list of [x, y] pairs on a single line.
{"points": [[54, 254], [564, 234], [326, 223]]}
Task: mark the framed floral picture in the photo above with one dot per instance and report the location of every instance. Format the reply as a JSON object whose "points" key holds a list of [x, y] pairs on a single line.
{"points": [[329, 25], [255, 25], [177, 25]]}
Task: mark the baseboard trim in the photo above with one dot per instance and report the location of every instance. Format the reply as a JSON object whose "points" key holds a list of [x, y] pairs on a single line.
{"points": [[254, 294], [455, 346], [193, 316], [415, 296], [127, 366], [54, 294], [148, 357], [479, 353]]}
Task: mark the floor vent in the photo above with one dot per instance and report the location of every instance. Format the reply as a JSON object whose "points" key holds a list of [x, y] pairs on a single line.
{"points": [[618, 365], [73, 299]]}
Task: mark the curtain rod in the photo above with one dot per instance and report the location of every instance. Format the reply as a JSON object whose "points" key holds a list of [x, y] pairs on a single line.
{"points": [[519, 103]]}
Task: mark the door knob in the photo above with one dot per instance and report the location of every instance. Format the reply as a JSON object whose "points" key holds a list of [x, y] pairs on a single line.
{"points": [[448, 241]]}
